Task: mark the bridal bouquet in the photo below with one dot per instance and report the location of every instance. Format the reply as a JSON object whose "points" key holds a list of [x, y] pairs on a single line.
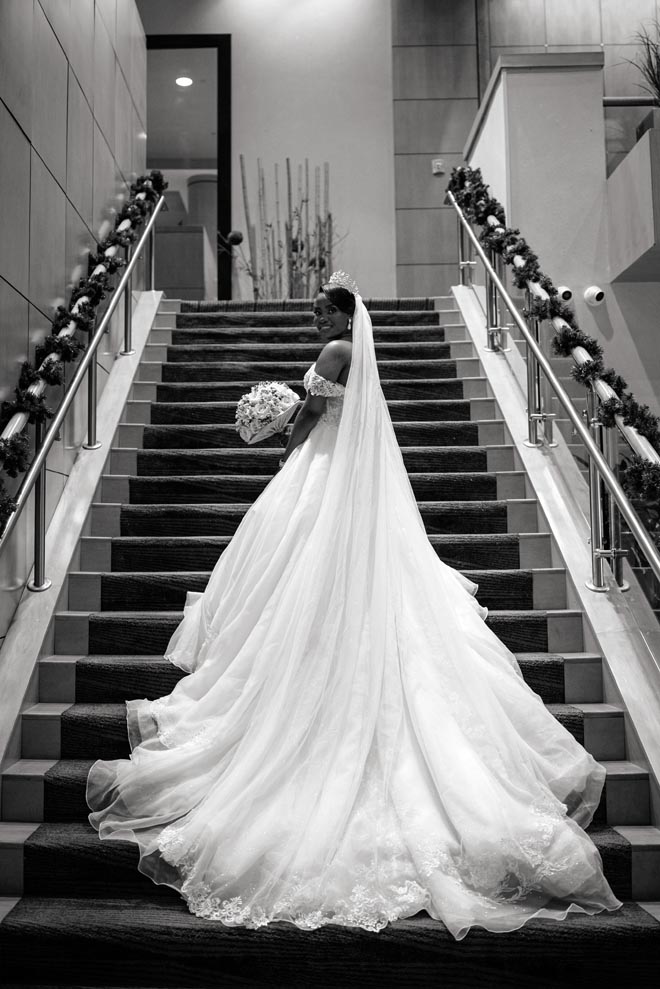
{"points": [[264, 410]]}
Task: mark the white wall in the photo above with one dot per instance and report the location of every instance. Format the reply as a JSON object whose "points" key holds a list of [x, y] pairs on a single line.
{"points": [[553, 130], [490, 151], [310, 79]]}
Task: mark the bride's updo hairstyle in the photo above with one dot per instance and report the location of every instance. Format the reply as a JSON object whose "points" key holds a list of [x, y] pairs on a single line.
{"points": [[340, 297]]}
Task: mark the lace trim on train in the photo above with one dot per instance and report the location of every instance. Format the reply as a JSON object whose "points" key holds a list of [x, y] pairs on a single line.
{"points": [[513, 870]]}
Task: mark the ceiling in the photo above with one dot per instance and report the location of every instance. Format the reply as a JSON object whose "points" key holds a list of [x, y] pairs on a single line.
{"points": [[182, 123]]}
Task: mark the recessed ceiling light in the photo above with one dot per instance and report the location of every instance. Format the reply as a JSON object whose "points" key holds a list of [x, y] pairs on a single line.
{"points": [[184, 81]]}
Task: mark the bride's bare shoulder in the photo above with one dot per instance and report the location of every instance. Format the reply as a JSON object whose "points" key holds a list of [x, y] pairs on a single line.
{"points": [[338, 349], [334, 358]]}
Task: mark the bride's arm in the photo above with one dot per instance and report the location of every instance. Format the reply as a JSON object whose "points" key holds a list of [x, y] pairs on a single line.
{"points": [[312, 409], [332, 361]]}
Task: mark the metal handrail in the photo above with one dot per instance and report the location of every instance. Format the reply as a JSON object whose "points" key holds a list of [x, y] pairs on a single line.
{"points": [[630, 101], [45, 442], [597, 459]]}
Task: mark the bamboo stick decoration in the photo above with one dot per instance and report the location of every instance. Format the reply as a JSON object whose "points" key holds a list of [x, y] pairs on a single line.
{"points": [[267, 237], [300, 250], [326, 189], [288, 226], [308, 243], [328, 220], [273, 255], [278, 287], [248, 224], [262, 229], [317, 222], [308, 253]]}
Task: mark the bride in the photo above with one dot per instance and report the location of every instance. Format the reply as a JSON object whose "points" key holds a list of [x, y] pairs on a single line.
{"points": [[352, 744]]}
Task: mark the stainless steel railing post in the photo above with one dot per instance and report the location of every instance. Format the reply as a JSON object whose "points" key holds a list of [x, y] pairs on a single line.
{"points": [[462, 272], [465, 262], [534, 414], [616, 552], [498, 267], [492, 327], [597, 582], [151, 277], [91, 442], [546, 393], [128, 313], [39, 581]]}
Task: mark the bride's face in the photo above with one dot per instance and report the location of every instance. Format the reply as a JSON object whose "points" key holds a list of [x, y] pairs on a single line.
{"points": [[330, 321]]}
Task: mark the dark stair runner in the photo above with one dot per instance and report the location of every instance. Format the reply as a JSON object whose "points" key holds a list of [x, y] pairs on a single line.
{"points": [[87, 916]]}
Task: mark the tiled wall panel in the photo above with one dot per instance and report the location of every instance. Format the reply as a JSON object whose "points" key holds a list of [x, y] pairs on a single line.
{"points": [[564, 25], [49, 97], [435, 89], [568, 22], [439, 49], [16, 46], [47, 238], [80, 134], [72, 138], [427, 72], [14, 203], [433, 22]]}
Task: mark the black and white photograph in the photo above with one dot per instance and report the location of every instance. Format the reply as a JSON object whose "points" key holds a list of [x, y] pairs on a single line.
{"points": [[329, 494]]}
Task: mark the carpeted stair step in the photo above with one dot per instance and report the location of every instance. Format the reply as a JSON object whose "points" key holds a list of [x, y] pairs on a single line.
{"points": [[113, 679], [256, 460], [231, 391], [303, 318], [480, 551], [99, 730], [253, 371], [200, 437], [212, 412], [298, 334], [508, 589], [54, 790], [67, 859], [417, 303], [147, 632], [156, 941], [222, 520], [219, 488], [166, 590], [188, 353]]}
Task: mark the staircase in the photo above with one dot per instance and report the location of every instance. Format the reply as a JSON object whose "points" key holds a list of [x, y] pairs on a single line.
{"points": [[74, 911]]}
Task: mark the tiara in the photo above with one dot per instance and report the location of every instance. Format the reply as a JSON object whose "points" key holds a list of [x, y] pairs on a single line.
{"points": [[340, 279]]}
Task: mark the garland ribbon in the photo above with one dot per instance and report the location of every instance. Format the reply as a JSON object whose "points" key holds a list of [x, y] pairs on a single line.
{"points": [[640, 477], [61, 346]]}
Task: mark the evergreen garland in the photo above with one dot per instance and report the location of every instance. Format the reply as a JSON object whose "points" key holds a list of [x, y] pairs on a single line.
{"points": [[642, 478], [64, 348], [608, 410]]}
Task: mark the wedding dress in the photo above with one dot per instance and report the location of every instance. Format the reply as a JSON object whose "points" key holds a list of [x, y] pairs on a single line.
{"points": [[352, 744]]}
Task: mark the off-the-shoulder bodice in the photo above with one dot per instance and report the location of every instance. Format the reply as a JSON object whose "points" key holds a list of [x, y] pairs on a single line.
{"points": [[315, 384]]}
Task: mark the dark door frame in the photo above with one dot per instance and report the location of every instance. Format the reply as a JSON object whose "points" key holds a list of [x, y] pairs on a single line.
{"points": [[222, 44]]}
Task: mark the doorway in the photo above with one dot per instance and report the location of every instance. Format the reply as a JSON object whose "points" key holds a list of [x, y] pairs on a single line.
{"points": [[189, 139]]}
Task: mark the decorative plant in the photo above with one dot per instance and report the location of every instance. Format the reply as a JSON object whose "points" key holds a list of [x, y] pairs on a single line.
{"points": [[648, 60], [61, 347], [288, 255], [640, 479]]}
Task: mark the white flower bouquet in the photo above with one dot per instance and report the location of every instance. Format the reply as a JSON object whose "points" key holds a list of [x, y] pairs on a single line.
{"points": [[264, 410]]}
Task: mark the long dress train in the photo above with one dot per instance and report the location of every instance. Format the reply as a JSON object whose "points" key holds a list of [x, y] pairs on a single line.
{"points": [[352, 744]]}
